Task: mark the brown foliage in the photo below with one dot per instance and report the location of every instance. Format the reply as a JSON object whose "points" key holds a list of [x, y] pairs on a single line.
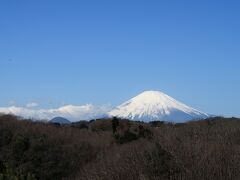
{"points": [[207, 149]]}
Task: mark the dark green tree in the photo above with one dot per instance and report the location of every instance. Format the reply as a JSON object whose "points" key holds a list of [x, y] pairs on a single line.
{"points": [[115, 124]]}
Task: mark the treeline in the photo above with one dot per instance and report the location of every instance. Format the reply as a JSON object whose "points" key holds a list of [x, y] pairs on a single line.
{"points": [[108, 149]]}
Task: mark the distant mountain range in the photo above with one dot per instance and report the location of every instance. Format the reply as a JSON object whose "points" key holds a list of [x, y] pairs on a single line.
{"points": [[147, 106], [155, 105]]}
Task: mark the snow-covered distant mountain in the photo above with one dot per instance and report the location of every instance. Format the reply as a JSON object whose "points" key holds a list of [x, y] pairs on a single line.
{"points": [[70, 112], [148, 106], [155, 105]]}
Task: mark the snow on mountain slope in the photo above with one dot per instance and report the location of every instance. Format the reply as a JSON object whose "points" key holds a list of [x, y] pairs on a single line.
{"points": [[71, 112], [155, 105]]}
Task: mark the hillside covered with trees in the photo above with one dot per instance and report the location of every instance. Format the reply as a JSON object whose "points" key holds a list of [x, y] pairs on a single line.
{"points": [[108, 149]]}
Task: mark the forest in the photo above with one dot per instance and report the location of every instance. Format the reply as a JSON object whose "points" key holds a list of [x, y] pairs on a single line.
{"points": [[119, 149]]}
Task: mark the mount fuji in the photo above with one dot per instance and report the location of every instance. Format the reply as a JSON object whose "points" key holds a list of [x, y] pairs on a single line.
{"points": [[155, 105]]}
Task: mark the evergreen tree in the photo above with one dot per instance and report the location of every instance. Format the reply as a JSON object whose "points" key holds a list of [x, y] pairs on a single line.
{"points": [[115, 124]]}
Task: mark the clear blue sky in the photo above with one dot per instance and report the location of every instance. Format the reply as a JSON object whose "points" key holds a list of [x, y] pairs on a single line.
{"points": [[76, 52]]}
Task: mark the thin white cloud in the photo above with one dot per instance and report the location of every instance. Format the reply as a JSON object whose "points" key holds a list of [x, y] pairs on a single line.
{"points": [[71, 112], [11, 103], [32, 105]]}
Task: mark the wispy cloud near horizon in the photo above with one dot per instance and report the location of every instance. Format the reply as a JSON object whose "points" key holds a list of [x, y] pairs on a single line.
{"points": [[32, 105]]}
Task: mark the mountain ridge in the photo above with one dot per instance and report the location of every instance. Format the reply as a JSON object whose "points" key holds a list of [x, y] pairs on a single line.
{"points": [[60, 120]]}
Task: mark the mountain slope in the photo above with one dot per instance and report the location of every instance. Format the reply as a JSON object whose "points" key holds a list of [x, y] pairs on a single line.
{"points": [[60, 120], [155, 105]]}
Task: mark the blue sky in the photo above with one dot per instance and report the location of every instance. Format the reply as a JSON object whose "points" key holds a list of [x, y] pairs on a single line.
{"points": [[76, 52]]}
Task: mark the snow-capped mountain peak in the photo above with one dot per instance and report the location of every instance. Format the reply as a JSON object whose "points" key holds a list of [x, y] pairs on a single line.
{"points": [[155, 105]]}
